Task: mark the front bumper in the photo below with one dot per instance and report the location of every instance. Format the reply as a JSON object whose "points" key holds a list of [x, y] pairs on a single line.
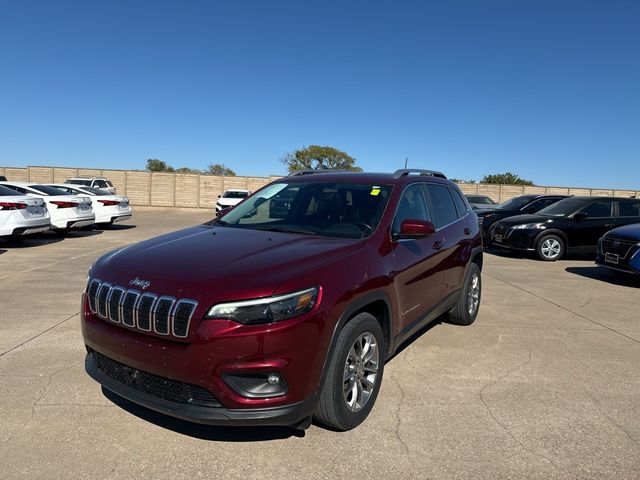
{"points": [[285, 415], [522, 240], [629, 263]]}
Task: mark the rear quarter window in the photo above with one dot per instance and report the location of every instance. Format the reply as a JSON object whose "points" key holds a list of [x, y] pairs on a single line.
{"points": [[628, 208]]}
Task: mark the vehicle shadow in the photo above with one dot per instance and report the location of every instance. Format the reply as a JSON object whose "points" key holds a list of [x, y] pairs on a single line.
{"points": [[407, 343], [606, 275], [3, 251], [78, 233], [115, 226], [35, 240], [203, 432]]}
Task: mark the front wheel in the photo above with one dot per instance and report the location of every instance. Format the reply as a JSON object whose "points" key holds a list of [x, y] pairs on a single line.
{"points": [[550, 248], [468, 305], [354, 374]]}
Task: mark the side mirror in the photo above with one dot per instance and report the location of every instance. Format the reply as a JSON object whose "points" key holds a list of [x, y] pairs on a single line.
{"points": [[580, 216], [224, 211], [416, 229]]}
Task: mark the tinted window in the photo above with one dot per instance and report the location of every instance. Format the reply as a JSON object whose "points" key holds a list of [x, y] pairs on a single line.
{"points": [[516, 203], [79, 182], [231, 194], [600, 208], [412, 206], [100, 184], [6, 191], [49, 190], [461, 206], [442, 204], [19, 189], [541, 203], [109, 184], [480, 199], [628, 208]]}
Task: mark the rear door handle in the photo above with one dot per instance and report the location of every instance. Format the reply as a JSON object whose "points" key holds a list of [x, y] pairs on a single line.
{"points": [[467, 231], [438, 244]]}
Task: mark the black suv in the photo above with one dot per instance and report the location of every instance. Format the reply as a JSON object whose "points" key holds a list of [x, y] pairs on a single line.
{"points": [[523, 204], [574, 222]]}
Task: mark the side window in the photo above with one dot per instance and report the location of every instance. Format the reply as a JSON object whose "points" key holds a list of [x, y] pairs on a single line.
{"points": [[19, 189], [100, 184], [628, 208], [540, 204], [598, 209], [412, 206], [442, 203], [108, 183], [461, 205]]}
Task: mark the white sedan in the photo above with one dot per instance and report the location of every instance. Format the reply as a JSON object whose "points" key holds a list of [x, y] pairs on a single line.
{"points": [[21, 215], [66, 211], [108, 208]]}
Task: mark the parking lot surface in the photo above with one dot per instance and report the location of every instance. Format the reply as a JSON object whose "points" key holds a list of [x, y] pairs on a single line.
{"points": [[545, 384]]}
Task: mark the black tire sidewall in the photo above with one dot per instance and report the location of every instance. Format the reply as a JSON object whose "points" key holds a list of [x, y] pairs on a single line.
{"points": [[352, 330]]}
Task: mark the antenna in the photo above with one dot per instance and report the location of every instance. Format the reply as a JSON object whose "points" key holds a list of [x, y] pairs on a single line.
{"points": [[406, 159]]}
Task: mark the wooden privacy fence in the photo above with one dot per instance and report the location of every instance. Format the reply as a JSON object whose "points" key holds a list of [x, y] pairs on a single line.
{"points": [[193, 190]]}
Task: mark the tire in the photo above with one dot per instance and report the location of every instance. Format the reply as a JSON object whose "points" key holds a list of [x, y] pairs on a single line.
{"points": [[466, 309], [550, 248], [340, 410]]}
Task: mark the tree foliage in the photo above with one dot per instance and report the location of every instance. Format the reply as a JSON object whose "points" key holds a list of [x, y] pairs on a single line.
{"points": [[220, 169], [507, 178], [155, 165], [315, 157]]}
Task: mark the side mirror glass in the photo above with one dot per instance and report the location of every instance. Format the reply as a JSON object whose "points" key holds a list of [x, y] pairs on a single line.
{"points": [[416, 229]]}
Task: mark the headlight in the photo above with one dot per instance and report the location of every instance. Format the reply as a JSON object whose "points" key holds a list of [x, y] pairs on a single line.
{"points": [[528, 226], [269, 309]]}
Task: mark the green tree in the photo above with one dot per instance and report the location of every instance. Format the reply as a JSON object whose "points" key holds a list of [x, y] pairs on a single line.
{"points": [[220, 169], [188, 170], [155, 165], [315, 157], [507, 178]]}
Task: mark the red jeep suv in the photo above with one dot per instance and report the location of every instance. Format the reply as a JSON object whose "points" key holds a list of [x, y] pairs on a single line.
{"points": [[286, 307]]}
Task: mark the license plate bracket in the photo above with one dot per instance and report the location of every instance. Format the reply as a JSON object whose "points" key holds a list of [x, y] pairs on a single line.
{"points": [[611, 258], [497, 237]]}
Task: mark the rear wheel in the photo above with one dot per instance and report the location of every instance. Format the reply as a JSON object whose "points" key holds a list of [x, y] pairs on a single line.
{"points": [[468, 305], [550, 248], [354, 374]]}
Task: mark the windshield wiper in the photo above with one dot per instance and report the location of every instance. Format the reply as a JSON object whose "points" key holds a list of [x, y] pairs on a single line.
{"points": [[284, 229]]}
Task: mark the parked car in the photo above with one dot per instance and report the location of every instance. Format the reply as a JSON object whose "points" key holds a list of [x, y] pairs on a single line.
{"points": [[231, 198], [575, 222], [66, 211], [21, 215], [618, 249], [94, 182], [108, 208], [3, 178], [481, 202], [250, 319], [523, 204]]}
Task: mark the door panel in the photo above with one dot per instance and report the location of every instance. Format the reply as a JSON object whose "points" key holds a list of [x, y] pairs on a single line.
{"points": [[586, 232]]}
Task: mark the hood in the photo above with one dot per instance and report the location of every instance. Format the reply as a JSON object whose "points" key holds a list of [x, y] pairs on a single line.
{"points": [[521, 219], [228, 202], [220, 263], [628, 231]]}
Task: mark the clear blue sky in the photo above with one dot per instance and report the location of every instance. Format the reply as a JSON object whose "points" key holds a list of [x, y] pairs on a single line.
{"points": [[549, 90]]}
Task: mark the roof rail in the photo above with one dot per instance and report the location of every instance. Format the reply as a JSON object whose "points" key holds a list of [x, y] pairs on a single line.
{"points": [[313, 171], [403, 172]]}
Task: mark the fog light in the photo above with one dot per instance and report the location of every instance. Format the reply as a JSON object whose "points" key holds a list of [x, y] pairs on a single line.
{"points": [[256, 385]]}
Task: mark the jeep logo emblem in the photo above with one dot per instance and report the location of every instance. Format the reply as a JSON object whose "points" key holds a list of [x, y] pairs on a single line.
{"points": [[137, 282]]}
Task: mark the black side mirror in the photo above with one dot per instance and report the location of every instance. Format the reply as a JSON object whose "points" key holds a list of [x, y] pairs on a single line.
{"points": [[580, 216], [224, 211]]}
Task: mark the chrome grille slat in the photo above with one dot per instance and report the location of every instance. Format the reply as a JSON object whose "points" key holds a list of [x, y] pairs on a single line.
{"points": [[144, 311], [115, 299]]}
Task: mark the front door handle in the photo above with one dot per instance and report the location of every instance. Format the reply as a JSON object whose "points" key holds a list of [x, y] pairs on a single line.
{"points": [[467, 231]]}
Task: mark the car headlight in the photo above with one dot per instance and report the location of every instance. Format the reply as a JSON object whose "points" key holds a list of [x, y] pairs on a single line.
{"points": [[528, 226], [265, 310]]}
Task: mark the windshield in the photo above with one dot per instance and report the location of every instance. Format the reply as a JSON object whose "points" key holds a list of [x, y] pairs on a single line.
{"points": [[516, 203], [344, 210], [6, 192], [49, 190], [229, 194], [563, 207], [79, 182], [481, 199]]}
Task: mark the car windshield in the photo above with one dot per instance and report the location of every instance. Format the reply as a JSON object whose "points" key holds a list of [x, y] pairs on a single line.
{"points": [[79, 182], [346, 210], [230, 194], [49, 190], [480, 199], [516, 203], [6, 191], [563, 207]]}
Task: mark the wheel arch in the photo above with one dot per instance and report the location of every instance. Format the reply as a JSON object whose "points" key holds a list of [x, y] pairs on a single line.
{"points": [[552, 231]]}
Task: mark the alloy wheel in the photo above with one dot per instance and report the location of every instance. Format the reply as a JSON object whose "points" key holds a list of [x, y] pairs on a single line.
{"points": [[551, 248], [361, 371], [473, 299]]}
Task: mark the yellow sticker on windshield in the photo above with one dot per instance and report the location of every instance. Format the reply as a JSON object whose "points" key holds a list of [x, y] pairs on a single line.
{"points": [[375, 191]]}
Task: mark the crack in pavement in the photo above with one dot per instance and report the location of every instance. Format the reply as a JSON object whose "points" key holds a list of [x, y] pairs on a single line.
{"points": [[566, 309], [502, 425], [603, 411], [38, 335], [35, 403], [399, 424]]}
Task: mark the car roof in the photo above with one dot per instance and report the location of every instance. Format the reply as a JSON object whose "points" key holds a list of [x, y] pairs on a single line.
{"points": [[236, 190], [87, 178], [397, 178]]}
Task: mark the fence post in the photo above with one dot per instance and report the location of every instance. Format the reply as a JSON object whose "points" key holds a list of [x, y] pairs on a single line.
{"points": [[150, 174], [174, 190], [126, 183], [198, 190]]}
